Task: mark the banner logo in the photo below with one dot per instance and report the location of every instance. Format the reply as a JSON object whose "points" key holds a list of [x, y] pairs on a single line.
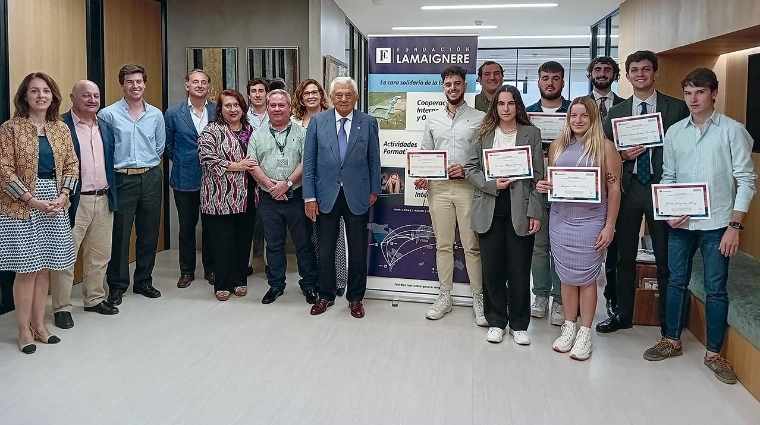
{"points": [[383, 55]]}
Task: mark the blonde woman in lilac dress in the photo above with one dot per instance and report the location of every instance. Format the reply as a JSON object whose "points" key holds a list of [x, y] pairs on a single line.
{"points": [[579, 233]]}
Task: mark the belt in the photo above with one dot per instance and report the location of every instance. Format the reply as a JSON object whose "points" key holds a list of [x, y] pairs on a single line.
{"points": [[99, 192], [132, 171]]}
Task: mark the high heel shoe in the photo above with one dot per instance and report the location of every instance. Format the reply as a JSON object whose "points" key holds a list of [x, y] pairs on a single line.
{"points": [[49, 339], [27, 348]]}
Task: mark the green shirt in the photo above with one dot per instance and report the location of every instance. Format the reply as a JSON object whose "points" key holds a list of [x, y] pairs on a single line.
{"points": [[481, 102], [278, 152]]}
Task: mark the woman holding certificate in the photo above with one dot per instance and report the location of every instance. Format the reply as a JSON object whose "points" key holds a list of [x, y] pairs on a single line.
{"points": [[582, 219], [504, 165]]}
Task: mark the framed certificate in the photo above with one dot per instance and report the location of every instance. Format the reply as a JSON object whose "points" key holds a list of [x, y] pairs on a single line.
{"points": [[551, 125], [513, 163], [575, 184], [431, 165], [640, 130], [679, 199]]}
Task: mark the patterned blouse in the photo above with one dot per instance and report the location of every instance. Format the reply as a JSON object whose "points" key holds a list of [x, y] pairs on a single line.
{"points": [[222, 191], [19, 160]]}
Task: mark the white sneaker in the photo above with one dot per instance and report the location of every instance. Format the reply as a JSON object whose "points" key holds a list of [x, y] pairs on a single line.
{"points": [[564, 343], [582, 347], [539, 307], [558, 314], [495, 335], [478, 310], [520, 337], [441, 306]]}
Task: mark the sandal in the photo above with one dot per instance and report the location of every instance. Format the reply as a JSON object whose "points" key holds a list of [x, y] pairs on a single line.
{"points": [[222, 295], [241, 291]]}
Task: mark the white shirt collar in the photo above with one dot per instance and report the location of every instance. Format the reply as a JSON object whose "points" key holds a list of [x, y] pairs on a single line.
{"points": [[651, 100], [350, 116], [598, 95]]}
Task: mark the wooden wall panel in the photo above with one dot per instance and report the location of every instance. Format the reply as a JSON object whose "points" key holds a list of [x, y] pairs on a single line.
{"points": [[47, 36], [132, 34]]}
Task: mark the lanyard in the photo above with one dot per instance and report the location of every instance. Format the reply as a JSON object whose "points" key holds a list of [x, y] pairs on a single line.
{"points": [[281, 147]]}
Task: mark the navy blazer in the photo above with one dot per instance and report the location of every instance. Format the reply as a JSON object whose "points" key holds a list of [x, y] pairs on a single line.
{"points": [[182, 146], [359, 172], [106, 134]]}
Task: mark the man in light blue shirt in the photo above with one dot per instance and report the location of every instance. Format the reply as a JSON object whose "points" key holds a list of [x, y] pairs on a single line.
{"points": [[707, 147], [140, 137]]}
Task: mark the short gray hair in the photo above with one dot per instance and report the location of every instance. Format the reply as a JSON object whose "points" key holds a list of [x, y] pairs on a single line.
{"points": [[342, 81], [280, 92]]}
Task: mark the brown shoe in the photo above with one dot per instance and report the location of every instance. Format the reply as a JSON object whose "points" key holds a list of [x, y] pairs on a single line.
{"points": [[184, 280], [357, 309], [721, 368], [210, 277], [222, 295], [321, 306], [662, 350]]}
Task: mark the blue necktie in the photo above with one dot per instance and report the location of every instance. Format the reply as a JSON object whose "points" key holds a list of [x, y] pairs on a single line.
{"points": [[643, 173], [342, 139]]}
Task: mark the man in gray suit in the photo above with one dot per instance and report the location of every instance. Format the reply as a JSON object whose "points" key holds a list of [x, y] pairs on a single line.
{"points": [[184, 122], [642, 167], [341, 178]]}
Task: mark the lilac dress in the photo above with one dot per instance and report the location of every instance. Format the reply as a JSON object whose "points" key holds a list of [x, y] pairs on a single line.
{"points": [[574, 228]]}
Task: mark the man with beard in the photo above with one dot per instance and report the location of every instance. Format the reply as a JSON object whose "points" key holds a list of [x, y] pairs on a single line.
{"points": [[642, 167], [551, 81], [602, 72], [453, 129], [491, 78]]}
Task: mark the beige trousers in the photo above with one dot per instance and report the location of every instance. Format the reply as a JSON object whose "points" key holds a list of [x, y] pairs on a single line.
{"points": [[92, 231], [450, 203]]}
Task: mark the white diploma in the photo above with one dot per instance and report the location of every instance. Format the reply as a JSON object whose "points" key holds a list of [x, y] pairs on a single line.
{"points": [[679, 199], [640, 130], [551, 125], [431, 165], [513, 163], [575, 184]]}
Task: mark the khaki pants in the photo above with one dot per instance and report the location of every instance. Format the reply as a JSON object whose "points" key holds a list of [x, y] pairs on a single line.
{"points": [[93, 231], [451, 203]]}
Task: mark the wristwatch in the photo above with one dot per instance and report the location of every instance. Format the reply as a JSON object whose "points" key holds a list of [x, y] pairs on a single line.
{"points": [[736, 225], [290, 183]]}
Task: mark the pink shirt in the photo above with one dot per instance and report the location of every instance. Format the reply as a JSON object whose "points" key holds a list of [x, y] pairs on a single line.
{"points": [[91, 159]]}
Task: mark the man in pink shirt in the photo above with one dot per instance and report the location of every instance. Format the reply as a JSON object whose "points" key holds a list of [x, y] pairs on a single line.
{"points": [[92, 206]]}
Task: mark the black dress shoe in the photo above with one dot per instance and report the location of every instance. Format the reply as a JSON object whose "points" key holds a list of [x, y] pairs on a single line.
{"points": [[103, 308], [610, 308], [311, 295], [210, 277], [114, 298], [271, 296], [147, 291], [340, 292], [613, 324], [63, 320]]}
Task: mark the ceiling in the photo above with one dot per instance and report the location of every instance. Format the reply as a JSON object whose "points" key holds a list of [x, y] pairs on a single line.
{"points": [[570, 17]]}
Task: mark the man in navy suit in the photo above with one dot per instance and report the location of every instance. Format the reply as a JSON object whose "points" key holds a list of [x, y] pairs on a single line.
{"points": [[341, 178], [184, 122], [92, 206]]}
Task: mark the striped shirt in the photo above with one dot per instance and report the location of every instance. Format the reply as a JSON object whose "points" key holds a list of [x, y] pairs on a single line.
{"points": [[454, 135], [717, 156]]}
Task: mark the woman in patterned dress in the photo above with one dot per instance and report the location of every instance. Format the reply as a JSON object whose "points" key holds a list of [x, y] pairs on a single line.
{"points": [[38, 172], [579, 232], [226, 195]]}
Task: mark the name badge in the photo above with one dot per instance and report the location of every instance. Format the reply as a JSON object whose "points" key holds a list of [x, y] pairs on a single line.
{"points": [[282, 162]]}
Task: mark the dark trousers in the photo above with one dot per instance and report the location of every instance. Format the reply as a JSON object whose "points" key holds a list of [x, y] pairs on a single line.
{"points": [[506, 259], [229, 242], [247, 228], [279, 218], [610, 271], [635, 203], [188, 211], [358, 238], [139, 205]]}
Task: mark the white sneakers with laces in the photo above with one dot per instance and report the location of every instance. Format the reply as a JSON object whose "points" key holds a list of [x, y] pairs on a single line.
{"points": [[495, 335], [557, 317], [565, 342], [478, 310], [520, 337], [441, 306], [582, 347], [539, 307]]}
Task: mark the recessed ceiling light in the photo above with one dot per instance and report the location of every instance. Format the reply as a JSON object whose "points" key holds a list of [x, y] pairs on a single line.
{"points": [[488, 6], [446, 27]]}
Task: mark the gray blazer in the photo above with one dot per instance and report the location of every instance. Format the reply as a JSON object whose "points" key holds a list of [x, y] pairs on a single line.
{"points": [[526, 201]]}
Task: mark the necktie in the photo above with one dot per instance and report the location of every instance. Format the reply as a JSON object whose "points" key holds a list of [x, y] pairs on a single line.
{"points": [[643, 174], [603, 108], [342, 139]]}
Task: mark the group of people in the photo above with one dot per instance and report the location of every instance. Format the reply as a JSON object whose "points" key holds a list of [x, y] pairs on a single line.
{"points": [[509, 231], [85, 178]]}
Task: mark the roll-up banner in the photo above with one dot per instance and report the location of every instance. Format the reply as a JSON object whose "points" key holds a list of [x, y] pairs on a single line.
{"points": [[405, 86]]}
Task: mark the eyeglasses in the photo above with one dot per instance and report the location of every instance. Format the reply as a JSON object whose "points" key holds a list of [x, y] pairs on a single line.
{"points": [[342, 96], [314, 93]]}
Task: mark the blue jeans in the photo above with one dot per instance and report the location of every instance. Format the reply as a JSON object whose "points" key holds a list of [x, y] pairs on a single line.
{"points": [[682, 246], [545, 279]]}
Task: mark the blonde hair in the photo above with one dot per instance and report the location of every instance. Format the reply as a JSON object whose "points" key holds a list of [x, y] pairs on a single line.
{"points": [[593, 140]]}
